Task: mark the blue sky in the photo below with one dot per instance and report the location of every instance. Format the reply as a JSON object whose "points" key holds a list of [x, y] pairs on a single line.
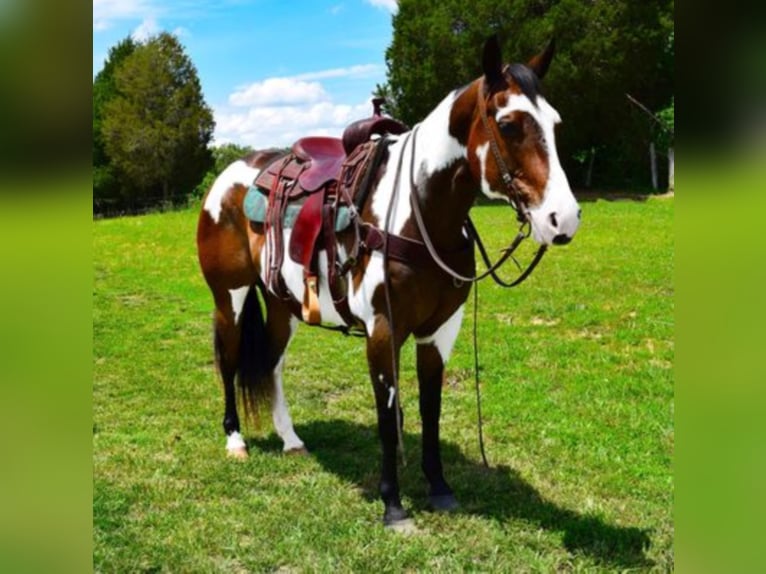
{"points": [[271, 70]]}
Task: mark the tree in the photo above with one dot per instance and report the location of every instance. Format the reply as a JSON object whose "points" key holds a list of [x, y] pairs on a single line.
{"points": [[105, 181], [604, 49], [157, 128]]}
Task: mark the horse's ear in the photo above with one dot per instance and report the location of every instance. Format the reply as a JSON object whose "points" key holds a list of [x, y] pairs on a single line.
{"points": [[539, 64], [492, 61]]}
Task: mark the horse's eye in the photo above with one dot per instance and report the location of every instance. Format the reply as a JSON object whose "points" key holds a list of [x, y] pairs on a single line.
{"points": [[509, 129]]}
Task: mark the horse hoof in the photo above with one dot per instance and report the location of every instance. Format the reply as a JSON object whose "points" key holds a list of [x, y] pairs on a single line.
{"points": [[444, 503], [297, 451], [240, 452], [405, 526], [395, 515]]}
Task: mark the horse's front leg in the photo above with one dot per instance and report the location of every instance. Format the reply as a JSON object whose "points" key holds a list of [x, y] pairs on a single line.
{"points": [[432, 354], [381, 366], [430, 376]]}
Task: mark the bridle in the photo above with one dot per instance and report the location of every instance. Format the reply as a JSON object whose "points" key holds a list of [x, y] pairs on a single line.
{"points": [[521, 213]]}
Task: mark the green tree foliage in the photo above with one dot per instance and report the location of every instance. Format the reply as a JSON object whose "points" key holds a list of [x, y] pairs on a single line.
{"points": [[605, 49], [105, 181], [667, 118], [156, 127]]}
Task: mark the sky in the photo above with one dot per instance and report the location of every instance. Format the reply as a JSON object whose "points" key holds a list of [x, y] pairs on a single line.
{"points": [[272, 71]]}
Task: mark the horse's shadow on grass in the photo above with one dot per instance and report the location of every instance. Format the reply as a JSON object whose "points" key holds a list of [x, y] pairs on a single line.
{"points": [[351, 451]]}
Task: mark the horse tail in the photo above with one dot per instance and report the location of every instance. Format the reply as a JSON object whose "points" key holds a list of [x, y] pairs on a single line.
{"points": [[254, 378]]}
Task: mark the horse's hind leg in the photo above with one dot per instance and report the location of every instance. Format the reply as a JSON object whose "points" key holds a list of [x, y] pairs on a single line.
{"points": [[280, 327], [227, 333]]}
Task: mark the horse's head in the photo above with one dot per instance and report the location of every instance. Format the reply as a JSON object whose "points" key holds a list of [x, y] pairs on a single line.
{"points": [[512, 146]]}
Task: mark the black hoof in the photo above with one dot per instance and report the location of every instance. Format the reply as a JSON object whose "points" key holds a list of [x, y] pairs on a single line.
{"points": [[443, 502], [394, 515], [396, 520]]}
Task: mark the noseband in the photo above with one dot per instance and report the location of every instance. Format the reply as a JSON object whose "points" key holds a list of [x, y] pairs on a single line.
{"points": [[522, 215]]}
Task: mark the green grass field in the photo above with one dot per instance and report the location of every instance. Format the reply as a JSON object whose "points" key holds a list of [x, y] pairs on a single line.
{"points": [[577, 386]]}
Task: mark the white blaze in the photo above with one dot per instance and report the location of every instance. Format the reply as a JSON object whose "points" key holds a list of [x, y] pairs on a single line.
{"points": [[557, 197]]}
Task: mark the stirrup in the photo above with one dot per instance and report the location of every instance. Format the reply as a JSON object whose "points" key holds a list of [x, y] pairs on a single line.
{"points": [[310, 309]]}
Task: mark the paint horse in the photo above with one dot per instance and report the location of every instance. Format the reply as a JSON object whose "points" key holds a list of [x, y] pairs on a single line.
{"points": [[496, 136]]}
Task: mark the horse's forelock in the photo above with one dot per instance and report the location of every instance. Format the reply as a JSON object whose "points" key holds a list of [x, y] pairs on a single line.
{"points": [[525, 79]]}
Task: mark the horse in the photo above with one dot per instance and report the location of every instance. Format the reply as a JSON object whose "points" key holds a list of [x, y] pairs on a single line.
{"points": [[494, 136]]}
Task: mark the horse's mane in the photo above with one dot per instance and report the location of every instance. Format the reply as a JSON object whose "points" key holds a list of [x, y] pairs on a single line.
{"points": [[525, 79]]}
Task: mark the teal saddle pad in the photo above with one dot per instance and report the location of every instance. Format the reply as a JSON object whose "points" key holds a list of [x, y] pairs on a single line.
{"points": [[256, 205]]}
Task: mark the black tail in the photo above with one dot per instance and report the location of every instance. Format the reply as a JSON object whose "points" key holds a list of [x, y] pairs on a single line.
{"points": [[254, 371]]}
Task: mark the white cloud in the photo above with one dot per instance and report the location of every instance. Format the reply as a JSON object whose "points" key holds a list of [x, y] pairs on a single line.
{"points": [[390, 5], [277, 111], [269, 126], [359, 71], [145, 30], [106, 12], [278, 91], [298, 89]]}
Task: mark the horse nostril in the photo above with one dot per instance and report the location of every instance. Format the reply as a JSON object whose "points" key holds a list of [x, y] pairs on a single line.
{"points": [[552, 217], [561, 239], [579, 213]]}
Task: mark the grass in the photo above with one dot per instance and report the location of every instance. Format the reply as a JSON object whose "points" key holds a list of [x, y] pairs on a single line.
{"points": [[577, 385]]}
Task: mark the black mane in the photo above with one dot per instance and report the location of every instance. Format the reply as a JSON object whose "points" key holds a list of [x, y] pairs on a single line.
{"points": [[526, 80]]}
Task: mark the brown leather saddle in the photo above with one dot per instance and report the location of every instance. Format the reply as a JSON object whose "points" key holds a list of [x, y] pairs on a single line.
{"points": [[320, 174]]}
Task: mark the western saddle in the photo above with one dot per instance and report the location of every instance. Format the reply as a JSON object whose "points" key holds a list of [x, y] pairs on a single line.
{"points": [[326, 180]]}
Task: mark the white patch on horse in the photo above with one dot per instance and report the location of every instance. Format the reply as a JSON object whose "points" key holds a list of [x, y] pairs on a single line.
{"points": [[444, 337], [238, 296], [384, 192], [237, 172], [280, 414], [292, 273], [481, 153], [235, 442], [360, 301], [557, 197], [437, 148]]}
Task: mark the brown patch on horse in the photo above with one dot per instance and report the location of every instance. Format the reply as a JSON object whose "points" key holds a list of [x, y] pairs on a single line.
{"points": [[222, 247], [366, 211], [521, 146], [463, 116], [526, 144]]}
